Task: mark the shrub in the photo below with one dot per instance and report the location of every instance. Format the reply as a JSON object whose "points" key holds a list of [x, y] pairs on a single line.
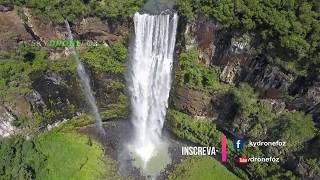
{"points": [[57, 11], [106, 59], [118, 110], [294, 128], [119, 9], [19, 159], [252, 109], [195, 75]]}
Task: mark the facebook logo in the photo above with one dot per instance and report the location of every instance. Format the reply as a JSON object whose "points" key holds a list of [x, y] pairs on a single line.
{"points": [[238, 144]]}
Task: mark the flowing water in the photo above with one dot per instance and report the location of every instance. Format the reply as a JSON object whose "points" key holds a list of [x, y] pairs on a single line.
{"points": [[149, 81], [85, 84]]}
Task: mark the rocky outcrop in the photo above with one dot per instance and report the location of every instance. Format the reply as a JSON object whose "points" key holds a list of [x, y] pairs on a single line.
{"points": [[36, 101], [40, 31], [193, 102], [266, 78], [94, 29], [316, 114], [12, 31], [19, 107], [6, 120], [6, 8], [12, 115], [230, 72], [233, 52], [202, 35], [202, 103], [307, 98], [240, 63], [57, 93]]}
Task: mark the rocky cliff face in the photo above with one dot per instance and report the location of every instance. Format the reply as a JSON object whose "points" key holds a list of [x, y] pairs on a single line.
{"points": [[12, 31], [55, 96], [196, 102], [232, 52]]}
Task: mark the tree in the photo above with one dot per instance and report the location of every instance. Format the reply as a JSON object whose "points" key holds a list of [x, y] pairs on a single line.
{"points": [[294, 128]]}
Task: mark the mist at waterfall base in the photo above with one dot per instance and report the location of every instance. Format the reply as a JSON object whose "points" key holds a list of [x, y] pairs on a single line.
{"points": [[85, 84], [149, 82]]}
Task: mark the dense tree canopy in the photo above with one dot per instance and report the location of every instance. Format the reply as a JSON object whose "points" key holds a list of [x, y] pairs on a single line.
{"points": [[57, 11], [288, 30]]}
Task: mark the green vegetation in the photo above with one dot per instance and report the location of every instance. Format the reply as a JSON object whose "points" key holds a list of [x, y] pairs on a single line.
{"points": [[70, 156], [12, 35], [264, 124], [63, 66], [78, 122], [293, 127], [118, 110], [203, 132], [16, 73], [53, 155], [59, 154], [266, 170], [15, 70], [58, 11], [19, 159], [204, 168], [252, 108], [314, 165], [56, 111], [118, 9], [106, 59], [256, 118], [288, 30], [74, 10], [116, 86], [110, 59], [196, 75]]}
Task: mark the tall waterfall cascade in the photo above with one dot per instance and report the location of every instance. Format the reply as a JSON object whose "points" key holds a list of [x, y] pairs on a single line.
{"points": [[149, 79], [85, 83]]}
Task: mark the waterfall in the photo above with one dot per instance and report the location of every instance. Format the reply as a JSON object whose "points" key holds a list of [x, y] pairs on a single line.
{"points": [[149, 79], [85, 83]]}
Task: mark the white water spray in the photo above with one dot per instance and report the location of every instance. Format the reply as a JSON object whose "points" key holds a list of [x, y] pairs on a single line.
{"points": [[150, 79], [85, 83]]}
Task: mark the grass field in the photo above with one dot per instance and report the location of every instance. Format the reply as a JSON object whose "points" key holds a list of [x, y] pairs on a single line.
{"points": [[70, 156], [201, 168]]}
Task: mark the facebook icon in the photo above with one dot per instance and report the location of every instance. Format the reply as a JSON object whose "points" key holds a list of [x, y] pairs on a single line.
{"points": [[238, 144]]}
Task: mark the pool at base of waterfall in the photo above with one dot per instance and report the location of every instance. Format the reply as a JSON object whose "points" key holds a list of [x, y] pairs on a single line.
{"points": [[156, 164]]}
